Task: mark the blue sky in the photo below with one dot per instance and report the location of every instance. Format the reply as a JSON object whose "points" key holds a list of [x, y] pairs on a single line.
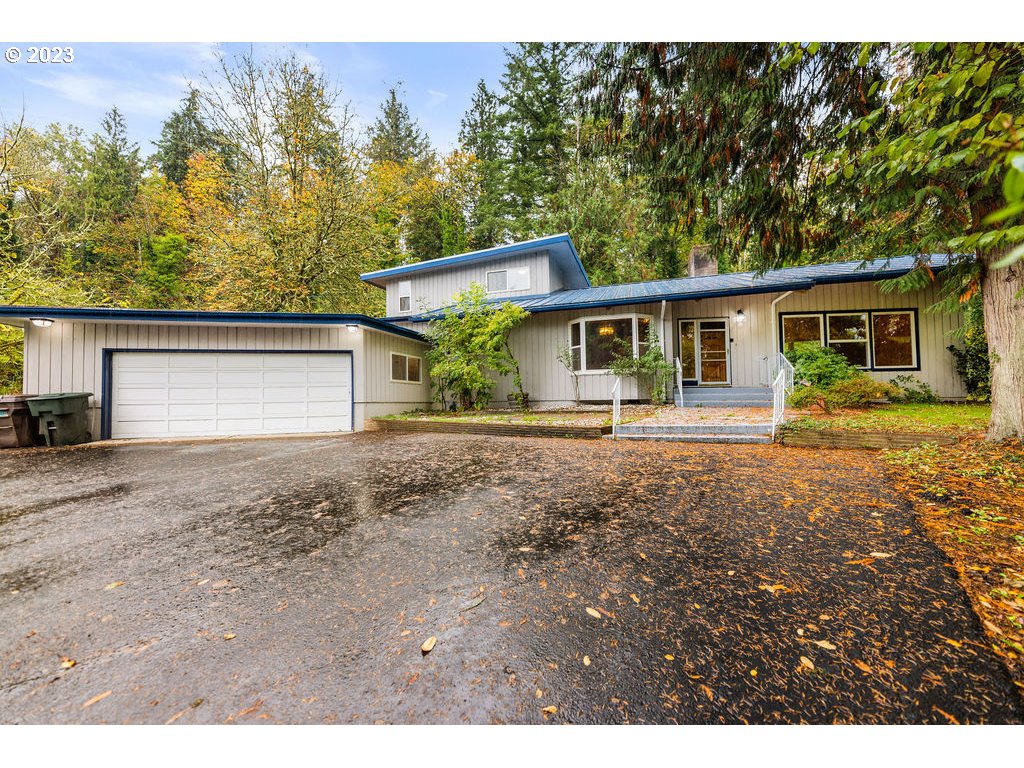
{"points": [[148, 80]]}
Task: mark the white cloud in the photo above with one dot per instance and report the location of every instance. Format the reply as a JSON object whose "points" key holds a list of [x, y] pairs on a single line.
{"points": [[437, 98], [102, 93]]}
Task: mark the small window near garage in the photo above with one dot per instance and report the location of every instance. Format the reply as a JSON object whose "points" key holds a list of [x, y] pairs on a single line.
{"points": [[893, 339], [406, 368], [801, 331], [502, 280], [405, 295], [848, 335]]}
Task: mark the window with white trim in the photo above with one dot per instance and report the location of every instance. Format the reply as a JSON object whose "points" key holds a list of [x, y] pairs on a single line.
{"points": [[893, 339], [802, 331], [596, 341], [406, 368], [405, 295], [502, 280], [848, 335]]}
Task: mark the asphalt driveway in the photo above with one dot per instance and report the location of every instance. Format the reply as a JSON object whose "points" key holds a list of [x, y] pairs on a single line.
{"points": [[565, 581]]}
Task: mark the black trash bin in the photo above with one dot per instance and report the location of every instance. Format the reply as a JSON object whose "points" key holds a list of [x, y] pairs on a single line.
{"points": [[18, 427], [64, 417]]}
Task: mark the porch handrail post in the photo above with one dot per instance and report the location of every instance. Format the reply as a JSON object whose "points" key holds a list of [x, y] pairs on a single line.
{"points": [[679, 379], [616, 406]]}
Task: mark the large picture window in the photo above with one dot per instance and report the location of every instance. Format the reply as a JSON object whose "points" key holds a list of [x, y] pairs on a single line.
{"points": [[884, 339], [595, 342], [894, 339]]}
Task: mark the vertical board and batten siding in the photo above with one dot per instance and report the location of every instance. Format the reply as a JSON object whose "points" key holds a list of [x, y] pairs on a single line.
{"points": [[381, 396], [68, 356], [431, 290], [547, 382]]}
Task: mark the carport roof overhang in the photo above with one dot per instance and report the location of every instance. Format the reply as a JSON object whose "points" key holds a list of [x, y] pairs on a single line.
{"points": [[20, 316]]}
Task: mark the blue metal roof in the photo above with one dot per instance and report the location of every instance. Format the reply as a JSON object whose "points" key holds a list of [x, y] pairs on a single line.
{"points": [[108, 314], [560, 247], [729, 284]]}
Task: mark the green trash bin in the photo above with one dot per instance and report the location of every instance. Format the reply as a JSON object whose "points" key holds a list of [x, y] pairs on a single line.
{"points": [[18, 427], [63, 416]]}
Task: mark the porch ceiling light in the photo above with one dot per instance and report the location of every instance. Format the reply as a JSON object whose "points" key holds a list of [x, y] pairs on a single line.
{"points": [[41, 322]]}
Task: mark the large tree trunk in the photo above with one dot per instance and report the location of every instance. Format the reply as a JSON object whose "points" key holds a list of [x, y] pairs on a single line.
{"points": [[1003, 298]]}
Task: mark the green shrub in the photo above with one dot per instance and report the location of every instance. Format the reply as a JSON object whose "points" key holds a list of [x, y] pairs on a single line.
{"points": [[854, 392], [820, 366], [650, 368], [972, 362], [910, 389]]}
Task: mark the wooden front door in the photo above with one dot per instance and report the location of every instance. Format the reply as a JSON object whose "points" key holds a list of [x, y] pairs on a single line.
{"points": [[704, 351]]}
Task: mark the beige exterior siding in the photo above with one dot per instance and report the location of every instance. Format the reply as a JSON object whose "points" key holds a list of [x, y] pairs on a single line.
{"points": [[547, 382], [68, 356], [434, 289]]}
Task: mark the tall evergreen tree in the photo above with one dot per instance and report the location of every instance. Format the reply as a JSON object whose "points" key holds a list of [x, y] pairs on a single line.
{"points": [[395, 137], [113, 169], [537, 99], [184, 134], [481, 135]]}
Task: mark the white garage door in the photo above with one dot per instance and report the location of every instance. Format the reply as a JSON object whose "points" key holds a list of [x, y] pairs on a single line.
{"points": [[179, 394]]}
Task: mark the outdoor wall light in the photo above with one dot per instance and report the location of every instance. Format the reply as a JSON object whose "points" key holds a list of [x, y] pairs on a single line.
{"points": [[740, 317], [41, 322], [352, 327]]}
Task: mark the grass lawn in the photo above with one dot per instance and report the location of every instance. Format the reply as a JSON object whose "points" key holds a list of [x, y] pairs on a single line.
{"points": [[953, 418]]}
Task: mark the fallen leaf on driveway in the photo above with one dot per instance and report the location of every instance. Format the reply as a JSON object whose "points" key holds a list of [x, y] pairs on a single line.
{"points": [[67, 663], [428, 645], [805, 662], [773, 588], [670, 657], [549, 710], [825, 644], [94, 699], [586, 661], [880, 555], [862, 561], [593, 613], [114, 585], [230, 636], [862, 666]]}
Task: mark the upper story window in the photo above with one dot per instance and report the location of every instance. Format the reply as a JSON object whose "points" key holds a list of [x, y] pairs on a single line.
{"points": [[501, 280], [405, 295]]}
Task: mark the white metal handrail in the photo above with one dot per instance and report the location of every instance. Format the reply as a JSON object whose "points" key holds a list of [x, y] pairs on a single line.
{"points": [[679, 380], [616, 406], [782, 385]]}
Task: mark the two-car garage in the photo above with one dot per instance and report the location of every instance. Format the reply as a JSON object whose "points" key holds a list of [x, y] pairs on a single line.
{"points": [[168, 373], [170, 394]]}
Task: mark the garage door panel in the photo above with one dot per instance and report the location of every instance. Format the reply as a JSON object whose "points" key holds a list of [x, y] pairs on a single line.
{"points": [[193, 378], [283, 394], [284, 378], [142, 378], [229, 393], [192, 410], [239, 378]]}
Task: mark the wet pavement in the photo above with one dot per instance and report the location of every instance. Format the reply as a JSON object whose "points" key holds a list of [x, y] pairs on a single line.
{"points": [[294, 581]]}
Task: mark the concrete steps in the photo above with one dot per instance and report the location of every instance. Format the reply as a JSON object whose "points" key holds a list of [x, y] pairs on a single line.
{"points": [[723, 397], [697, 433]]}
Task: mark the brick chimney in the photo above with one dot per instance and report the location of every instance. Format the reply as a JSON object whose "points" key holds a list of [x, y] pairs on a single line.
{"points": [[701, 263]]}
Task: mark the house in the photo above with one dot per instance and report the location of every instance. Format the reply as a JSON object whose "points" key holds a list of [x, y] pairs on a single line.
{"points": [[165, 373], [724, 329]]}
